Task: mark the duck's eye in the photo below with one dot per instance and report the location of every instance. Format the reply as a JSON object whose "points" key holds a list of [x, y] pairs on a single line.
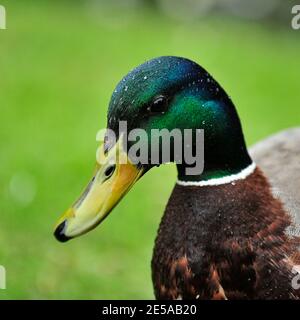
{"points": [[109, 171], [159, 104]]}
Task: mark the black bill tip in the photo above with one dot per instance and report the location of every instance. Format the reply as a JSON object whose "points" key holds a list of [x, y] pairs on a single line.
{"points": [[59, 232]]}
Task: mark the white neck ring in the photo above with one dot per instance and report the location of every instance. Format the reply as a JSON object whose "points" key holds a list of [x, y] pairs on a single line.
{"points": [[224, 180]]}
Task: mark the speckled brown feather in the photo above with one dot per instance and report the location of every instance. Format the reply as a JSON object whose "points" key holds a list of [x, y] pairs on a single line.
{"points": [[225, 242]]}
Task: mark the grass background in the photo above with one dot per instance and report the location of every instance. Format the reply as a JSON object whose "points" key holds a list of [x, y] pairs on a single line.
{"points": [[59, 63]]}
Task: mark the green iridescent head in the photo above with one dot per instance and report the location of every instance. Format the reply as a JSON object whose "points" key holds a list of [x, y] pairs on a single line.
{"points": [[172, 92], [163, 93]]}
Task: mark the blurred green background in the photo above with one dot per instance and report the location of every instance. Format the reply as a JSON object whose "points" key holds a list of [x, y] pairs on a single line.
{"points": [[59, 63]]}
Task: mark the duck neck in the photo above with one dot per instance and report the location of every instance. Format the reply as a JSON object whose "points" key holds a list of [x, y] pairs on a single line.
{"points": [[225, 155], [221, 166]]}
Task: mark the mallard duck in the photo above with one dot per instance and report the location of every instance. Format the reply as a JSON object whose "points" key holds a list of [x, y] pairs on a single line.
{"points": [[225, 233]]}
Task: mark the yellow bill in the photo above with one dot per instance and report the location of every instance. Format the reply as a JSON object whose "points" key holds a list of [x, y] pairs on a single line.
{"points": [[115, 174]]}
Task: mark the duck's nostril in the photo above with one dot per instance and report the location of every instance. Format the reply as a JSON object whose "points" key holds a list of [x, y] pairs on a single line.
{"points": [[59, 232]]}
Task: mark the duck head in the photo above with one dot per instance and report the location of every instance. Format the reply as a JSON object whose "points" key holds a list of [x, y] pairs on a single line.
{"points": [[163, 93]]}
